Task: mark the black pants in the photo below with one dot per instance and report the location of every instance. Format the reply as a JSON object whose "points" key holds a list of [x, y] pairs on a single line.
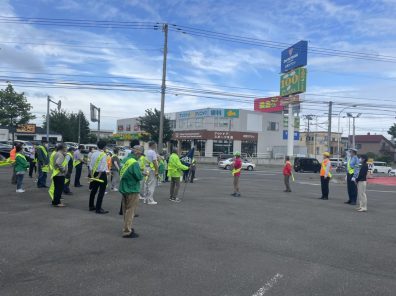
{"points": [[59, 182], [66, 187], [192, 175], [185, 175], [352, 189], [102, 188], [324, 182], [32, 167], [78, 174]]}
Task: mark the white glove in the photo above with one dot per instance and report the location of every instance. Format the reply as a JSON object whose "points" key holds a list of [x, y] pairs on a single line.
{"points": [[353, 179]]}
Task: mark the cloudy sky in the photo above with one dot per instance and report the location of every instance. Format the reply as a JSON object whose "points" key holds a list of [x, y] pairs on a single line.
{"points": [[115, 61]]}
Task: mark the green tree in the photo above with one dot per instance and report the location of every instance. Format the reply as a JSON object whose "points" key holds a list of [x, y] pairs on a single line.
{"points": [[392, 131], [14, 108], [66, 124], [150, 124]]}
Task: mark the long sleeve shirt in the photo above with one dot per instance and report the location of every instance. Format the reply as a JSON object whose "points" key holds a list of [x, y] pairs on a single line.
{"points": [[58, 161], [362, 175], [354, 163], [78, 155], [130, 181], [102, 166], [42, 157]]}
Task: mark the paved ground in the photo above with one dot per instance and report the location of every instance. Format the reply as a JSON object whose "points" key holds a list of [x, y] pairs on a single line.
{"points": [[265, 243]]}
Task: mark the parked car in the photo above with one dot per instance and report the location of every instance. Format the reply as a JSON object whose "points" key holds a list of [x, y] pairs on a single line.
{"points": [[246, 165], [71, 145], [224, 157], [26, 145], [392, 173], [5, 150], [381, 167], [335, 162], [306, 164]]}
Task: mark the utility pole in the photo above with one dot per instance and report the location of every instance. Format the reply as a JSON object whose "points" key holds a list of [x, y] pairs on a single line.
{"points": [[329, 126], [290, 131], [98, 124], [79, 127], [308, 139], [163, 89], [59, 104]]}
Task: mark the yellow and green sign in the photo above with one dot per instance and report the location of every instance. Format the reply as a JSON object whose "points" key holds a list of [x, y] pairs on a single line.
{"points": [[293, 82], [231, 113]]}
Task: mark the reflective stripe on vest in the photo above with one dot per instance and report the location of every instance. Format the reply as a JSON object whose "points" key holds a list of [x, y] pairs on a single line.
{"points": [[126, 166], [51, 161], [20, 155], [236, 171], [97, 162], [55, 172], [76, 162]]}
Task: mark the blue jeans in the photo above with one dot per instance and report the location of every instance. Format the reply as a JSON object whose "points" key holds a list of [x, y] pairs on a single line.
{"points": [[19, 178], [42, 177]]}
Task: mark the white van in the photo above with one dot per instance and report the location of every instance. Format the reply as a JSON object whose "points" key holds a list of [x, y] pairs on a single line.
{"points": [[381, 167]]}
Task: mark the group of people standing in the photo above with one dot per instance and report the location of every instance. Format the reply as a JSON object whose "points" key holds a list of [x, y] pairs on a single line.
{"points": [[356, 178]]}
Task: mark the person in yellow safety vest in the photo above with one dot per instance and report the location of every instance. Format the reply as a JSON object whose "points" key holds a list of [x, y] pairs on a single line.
{"points": [[352, 173], [175, 171], [42, 164], [236, 173], [99, 171], [21, 165], [78, 161], [325, 175], [59, 171], [70, 160]]}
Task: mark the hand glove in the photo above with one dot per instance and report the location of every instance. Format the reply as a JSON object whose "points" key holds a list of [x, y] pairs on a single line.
{"points": [[353, 179]]}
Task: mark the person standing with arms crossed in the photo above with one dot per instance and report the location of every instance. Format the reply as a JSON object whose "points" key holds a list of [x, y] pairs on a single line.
{"points": [[352, 171], [99, 170], [236, 173], [152, 167], [325, 176], [130, 177], [287, 172], [361, 181]]}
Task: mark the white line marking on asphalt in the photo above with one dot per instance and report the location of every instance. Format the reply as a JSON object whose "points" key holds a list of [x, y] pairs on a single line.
{"points": [[269, 285], [308, 183], [382, 191]]}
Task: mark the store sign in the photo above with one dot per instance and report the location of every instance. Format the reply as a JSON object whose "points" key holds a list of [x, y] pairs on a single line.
{"points": [[296, 135], [294, 57], [231, 113], [189, 135], [223, 136], [26, 128], [201, 113], [271, 104], [215, 135], [293, 82]]}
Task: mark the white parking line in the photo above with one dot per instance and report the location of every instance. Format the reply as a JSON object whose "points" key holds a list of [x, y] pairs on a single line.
{"points": [[382, 191]]}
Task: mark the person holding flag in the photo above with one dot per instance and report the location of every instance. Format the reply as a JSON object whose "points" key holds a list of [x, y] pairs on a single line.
{"points": [[287, 172], [175, 169], [236, 172], [130, 178]]}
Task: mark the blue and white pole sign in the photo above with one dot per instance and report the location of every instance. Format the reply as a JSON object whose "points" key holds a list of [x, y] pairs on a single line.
{"points": [[294, 57], [296, 135]]}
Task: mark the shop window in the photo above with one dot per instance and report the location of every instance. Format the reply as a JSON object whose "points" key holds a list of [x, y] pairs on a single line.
{"points": [[273, 126], [249, 148], [223, 146], [200, 147]]}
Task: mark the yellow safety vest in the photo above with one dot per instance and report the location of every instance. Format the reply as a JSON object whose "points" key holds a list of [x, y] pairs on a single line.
{"points": [[45, 168], [55, 172], [76, 162], [126, 166], [323, 168], [97, 162], [351, 170]]}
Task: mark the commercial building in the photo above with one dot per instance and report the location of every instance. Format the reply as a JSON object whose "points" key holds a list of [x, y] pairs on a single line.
{"points": [[28, 132], [213, 131]]}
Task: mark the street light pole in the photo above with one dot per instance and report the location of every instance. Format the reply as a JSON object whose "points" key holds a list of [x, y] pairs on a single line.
{"points": [[350, 115], [163, 87], [59, 103]]}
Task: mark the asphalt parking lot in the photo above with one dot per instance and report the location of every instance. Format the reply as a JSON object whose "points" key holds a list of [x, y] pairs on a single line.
{"points": [[266, 242]]}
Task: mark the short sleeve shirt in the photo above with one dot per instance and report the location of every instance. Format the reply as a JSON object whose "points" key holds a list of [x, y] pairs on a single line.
{"points": [[151, 155]]}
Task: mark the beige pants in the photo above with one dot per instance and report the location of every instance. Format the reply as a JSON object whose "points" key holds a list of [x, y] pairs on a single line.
{"points": [[362, 195], [129, 205], [236, 184]]}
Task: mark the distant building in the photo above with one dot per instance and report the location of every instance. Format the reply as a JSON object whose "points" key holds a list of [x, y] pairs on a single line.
{"points": [[213, 131], [28, 132], [317, 143], [377, 144], [103, 133]]}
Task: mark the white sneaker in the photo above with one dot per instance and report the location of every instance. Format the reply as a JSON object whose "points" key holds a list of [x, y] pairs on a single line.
{"points": [[362, 210], [114, 189], [141, 197], [20, 190], [152, 203]]}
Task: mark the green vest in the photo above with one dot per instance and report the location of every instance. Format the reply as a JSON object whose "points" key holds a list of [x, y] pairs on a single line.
{"points": [[126, 166]]}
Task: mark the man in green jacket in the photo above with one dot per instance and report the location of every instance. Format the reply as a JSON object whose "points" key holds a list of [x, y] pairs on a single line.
{"points": [[175, 171], [130, 177]]}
